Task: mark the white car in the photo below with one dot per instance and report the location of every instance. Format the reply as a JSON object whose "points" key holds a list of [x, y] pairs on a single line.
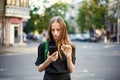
{"points": [[79, 37]]}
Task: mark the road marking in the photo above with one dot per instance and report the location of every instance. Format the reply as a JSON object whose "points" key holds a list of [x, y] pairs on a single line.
{"points": [[7, 79], [3, 69], [108, 46], [92, 74], [85, 71]]}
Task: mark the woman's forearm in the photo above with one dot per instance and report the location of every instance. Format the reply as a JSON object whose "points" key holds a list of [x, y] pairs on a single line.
{"points": [[42, 66], [50, 58], [70, 64]]}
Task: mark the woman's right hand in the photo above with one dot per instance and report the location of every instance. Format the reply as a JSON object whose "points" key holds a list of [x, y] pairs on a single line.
{"points": [[53, 57], [50, 58]]}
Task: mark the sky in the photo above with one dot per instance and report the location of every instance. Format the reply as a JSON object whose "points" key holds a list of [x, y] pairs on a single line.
{"points": [[47, 3], [40, 4]]}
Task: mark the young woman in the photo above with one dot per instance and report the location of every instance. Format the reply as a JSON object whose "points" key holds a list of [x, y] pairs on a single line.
{"points": [[59, 64]]}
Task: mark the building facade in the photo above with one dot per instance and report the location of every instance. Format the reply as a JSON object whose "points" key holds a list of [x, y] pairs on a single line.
{"points": [[114, 27], [12, 15], [72, 14]]}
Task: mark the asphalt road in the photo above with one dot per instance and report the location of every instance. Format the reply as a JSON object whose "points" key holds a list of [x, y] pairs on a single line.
{"points": [[94, 61]]}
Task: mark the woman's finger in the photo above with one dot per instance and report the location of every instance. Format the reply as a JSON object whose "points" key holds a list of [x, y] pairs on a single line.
{"points": [[66, 47], [54, 53], [48, 53]]}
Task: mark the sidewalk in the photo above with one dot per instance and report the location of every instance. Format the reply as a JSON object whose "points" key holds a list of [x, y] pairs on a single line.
{"points": [[18, 49], [29, 48]]}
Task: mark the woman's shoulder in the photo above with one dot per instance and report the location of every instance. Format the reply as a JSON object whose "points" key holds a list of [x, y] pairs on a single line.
{"points": [[41, 44]]}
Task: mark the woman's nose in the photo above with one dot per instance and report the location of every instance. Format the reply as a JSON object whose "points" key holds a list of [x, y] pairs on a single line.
{"points": [[56, 32]]}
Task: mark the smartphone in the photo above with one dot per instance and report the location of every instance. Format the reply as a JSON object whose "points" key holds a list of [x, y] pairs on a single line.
{"points": [[52, 47]]}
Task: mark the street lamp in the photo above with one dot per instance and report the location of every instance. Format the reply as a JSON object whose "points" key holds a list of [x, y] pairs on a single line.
{"points": [[118, 23]]}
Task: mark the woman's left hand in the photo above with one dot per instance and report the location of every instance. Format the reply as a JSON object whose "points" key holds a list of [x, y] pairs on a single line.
{"points": [[67, 50]]}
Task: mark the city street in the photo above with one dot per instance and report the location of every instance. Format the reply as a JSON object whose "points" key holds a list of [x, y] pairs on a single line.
{"points": [[94, 61]]}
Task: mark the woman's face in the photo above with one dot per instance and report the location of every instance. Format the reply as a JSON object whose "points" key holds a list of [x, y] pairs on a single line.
{"points": [[55, 30]]}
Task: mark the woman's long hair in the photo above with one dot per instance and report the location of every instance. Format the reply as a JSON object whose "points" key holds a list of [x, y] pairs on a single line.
{"points": [[63, 38]]}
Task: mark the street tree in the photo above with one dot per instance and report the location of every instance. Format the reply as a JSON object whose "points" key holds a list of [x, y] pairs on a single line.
{"points": [[92, 14], [32, 24], [38, 22]]}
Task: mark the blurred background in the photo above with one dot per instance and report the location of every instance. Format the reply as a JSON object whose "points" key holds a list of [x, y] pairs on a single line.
{"points": [[86, 20], [93, 26]]}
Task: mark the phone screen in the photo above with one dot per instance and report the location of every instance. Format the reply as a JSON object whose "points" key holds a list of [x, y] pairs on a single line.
{"points": [[52, 47]]}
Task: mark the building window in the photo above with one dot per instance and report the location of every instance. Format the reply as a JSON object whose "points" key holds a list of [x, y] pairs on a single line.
{"points": [[22, 3], [17, 2], [9, 2], [13, 2], [26, 3]]}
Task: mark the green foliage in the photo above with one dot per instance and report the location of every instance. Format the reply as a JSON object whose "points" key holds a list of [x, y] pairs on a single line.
{"points": [[31, 25], [58, 9], [39, 22], [70, 29], [92, 14], [111, 17]]}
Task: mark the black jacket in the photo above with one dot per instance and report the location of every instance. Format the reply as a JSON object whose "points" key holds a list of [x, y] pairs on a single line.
{"points": [[59, 66]]}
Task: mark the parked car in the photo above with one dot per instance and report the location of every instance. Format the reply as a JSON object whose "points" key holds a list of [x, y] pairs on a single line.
{"points": [[79, 37], [35, 37]]}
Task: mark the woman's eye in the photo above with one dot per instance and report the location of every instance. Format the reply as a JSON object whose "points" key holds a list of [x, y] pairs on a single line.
{"points": [[58, 29], [52, 29]]}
